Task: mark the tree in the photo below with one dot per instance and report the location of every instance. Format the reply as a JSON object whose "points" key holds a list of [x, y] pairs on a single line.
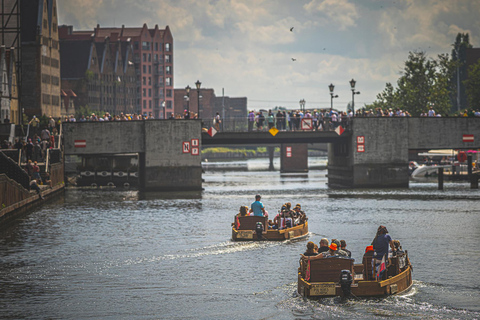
{"points": [[472, 86]]}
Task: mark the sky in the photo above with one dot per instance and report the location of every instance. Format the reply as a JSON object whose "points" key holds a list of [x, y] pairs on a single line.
{"points": [[247, 48]]}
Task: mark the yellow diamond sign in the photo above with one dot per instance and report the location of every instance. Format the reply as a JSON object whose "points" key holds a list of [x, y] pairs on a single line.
{"points": [[273, 131]]}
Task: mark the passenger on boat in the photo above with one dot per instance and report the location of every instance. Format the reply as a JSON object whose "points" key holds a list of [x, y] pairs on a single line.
{"points": [[243, 211], [258, 208], [332, 252], [381, 242], [400, 254], [340, 252], [323, 245], [310, 250], [343, 246], [285, 217], [299, 216]]}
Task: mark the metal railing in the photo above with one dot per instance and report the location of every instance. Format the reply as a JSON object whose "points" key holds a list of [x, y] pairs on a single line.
{"points": [[243, 124]]}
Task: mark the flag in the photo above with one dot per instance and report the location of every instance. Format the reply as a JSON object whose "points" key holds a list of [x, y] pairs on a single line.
{"points": [[307, 274], [238, 223], [381, 268]]}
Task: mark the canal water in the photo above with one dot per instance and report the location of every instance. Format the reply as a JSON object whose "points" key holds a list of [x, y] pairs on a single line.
{"points": [[103, 254]]}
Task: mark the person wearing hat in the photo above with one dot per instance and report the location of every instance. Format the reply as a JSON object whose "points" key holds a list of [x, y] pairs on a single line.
{"points": [[340, 252], [258, 208]]}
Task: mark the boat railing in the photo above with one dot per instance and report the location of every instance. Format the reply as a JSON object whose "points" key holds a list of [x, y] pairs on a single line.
{"points": [[326, 269]]}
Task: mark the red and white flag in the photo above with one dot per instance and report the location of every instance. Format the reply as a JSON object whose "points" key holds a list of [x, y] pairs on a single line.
{"points": [[339, 130], [381, 268]]}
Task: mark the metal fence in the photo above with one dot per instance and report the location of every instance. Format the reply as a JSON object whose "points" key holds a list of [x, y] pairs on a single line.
{"points": [[242, 124]]}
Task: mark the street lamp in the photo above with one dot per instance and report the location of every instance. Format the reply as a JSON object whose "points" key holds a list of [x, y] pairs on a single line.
{"points": [[187, 90], [352, 85], [331, 87], [198, 84], [302, 105]]}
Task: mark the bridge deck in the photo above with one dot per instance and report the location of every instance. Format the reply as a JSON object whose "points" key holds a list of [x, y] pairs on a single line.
{"points": [[263, 138]]}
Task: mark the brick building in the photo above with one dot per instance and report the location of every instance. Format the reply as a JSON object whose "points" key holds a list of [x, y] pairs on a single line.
{"points": [[152, 58], [100, 72]]}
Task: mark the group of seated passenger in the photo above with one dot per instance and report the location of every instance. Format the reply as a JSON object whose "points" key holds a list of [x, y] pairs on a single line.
{"points": [[335, 248], [288, 217]]}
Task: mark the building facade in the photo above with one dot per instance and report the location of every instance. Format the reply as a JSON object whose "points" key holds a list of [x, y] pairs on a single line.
{"points": [[101, 74], [151, 57]]}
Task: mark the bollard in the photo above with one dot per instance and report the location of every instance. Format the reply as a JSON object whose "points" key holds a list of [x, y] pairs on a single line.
{"points": [[474, 181], [440, 178]]}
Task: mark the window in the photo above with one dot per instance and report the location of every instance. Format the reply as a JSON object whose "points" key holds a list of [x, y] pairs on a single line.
{"points": [[144, 92], [150, 69], [135, 45], [150, 104], [145, 45], [156, 46], [145, 104], [168, 81], [149, 81], [168, 70], [150, 92], [144, 67], [168, 58], [169, 93], [155, 57], [149, 57], [144, 80], [167, 47], [144, 57]]}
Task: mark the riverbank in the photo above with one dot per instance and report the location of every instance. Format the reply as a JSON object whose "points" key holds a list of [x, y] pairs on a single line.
{"points": [[17, 201]]}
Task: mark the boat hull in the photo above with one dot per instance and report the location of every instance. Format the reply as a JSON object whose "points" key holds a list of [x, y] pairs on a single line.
{"points": [[294, 233], [362, 288]]}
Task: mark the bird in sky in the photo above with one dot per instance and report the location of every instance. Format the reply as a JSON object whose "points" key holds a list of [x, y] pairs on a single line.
{"points": [[291, 29], [293, 59]]}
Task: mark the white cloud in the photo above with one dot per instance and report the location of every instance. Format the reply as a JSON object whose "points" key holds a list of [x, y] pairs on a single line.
{"points": [[342, 13]]}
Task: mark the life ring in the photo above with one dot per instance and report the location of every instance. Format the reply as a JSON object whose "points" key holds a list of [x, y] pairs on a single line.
{"points": [[462, 156]]}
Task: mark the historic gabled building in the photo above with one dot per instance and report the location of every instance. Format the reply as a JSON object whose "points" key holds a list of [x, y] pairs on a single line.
{"points": [[150, 53], [40, 94], [100, 73]]}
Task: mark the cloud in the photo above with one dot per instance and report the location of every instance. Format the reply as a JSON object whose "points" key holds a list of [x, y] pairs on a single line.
{"points": [[342, 13]]}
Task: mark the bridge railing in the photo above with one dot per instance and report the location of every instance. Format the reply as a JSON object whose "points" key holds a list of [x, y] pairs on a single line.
{"points": [[243, 124]]}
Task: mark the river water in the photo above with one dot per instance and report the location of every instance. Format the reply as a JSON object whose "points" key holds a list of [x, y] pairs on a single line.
{"points": [[123, 255]]}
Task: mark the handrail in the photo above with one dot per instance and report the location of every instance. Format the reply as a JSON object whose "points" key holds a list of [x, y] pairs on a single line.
{"points": [[47, 160]]}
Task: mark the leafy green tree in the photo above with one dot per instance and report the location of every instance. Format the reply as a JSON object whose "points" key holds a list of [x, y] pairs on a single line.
{"points": [[472, 86]]}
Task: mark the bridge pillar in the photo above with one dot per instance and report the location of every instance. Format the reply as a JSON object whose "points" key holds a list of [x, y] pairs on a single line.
{"points": [[374, 156], [294, 157], [172, 160]]}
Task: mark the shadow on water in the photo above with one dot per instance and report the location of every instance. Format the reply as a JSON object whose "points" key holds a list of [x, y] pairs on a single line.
{"points": [[185, 195]]}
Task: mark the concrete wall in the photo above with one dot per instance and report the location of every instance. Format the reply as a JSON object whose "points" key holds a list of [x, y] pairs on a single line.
{"points": [[164, 166], [113, 137], [376, 155]]}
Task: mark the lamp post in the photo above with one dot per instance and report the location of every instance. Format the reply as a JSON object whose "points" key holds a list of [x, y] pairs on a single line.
{"points": [[331, 87], [198, 84], [302, 105], [187, 90], [352, 85]]}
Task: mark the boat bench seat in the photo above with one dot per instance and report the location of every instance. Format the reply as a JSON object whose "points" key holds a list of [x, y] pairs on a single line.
{"points": [[329, 269], [250, 222]]}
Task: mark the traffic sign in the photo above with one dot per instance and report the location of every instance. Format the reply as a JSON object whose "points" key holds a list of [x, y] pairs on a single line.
{"points": [[306, 124], [360, 139], [288, 152], [339, 130], [195, 151], [186, 147], [212, 131], [273, 131], [360, 148], [80, 143], [468, 138]]}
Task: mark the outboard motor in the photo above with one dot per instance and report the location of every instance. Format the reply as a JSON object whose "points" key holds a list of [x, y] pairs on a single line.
{"points": [[259, 230], [346, 282]]}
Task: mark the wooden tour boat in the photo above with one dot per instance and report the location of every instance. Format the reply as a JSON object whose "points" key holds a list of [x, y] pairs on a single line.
{"points": [[336, 276], [248, 228]]}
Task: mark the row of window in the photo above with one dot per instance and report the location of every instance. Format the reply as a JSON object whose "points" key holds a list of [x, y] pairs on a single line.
{"points": [[48, 99], [46, 78], [47, 61], [147, 45]]}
